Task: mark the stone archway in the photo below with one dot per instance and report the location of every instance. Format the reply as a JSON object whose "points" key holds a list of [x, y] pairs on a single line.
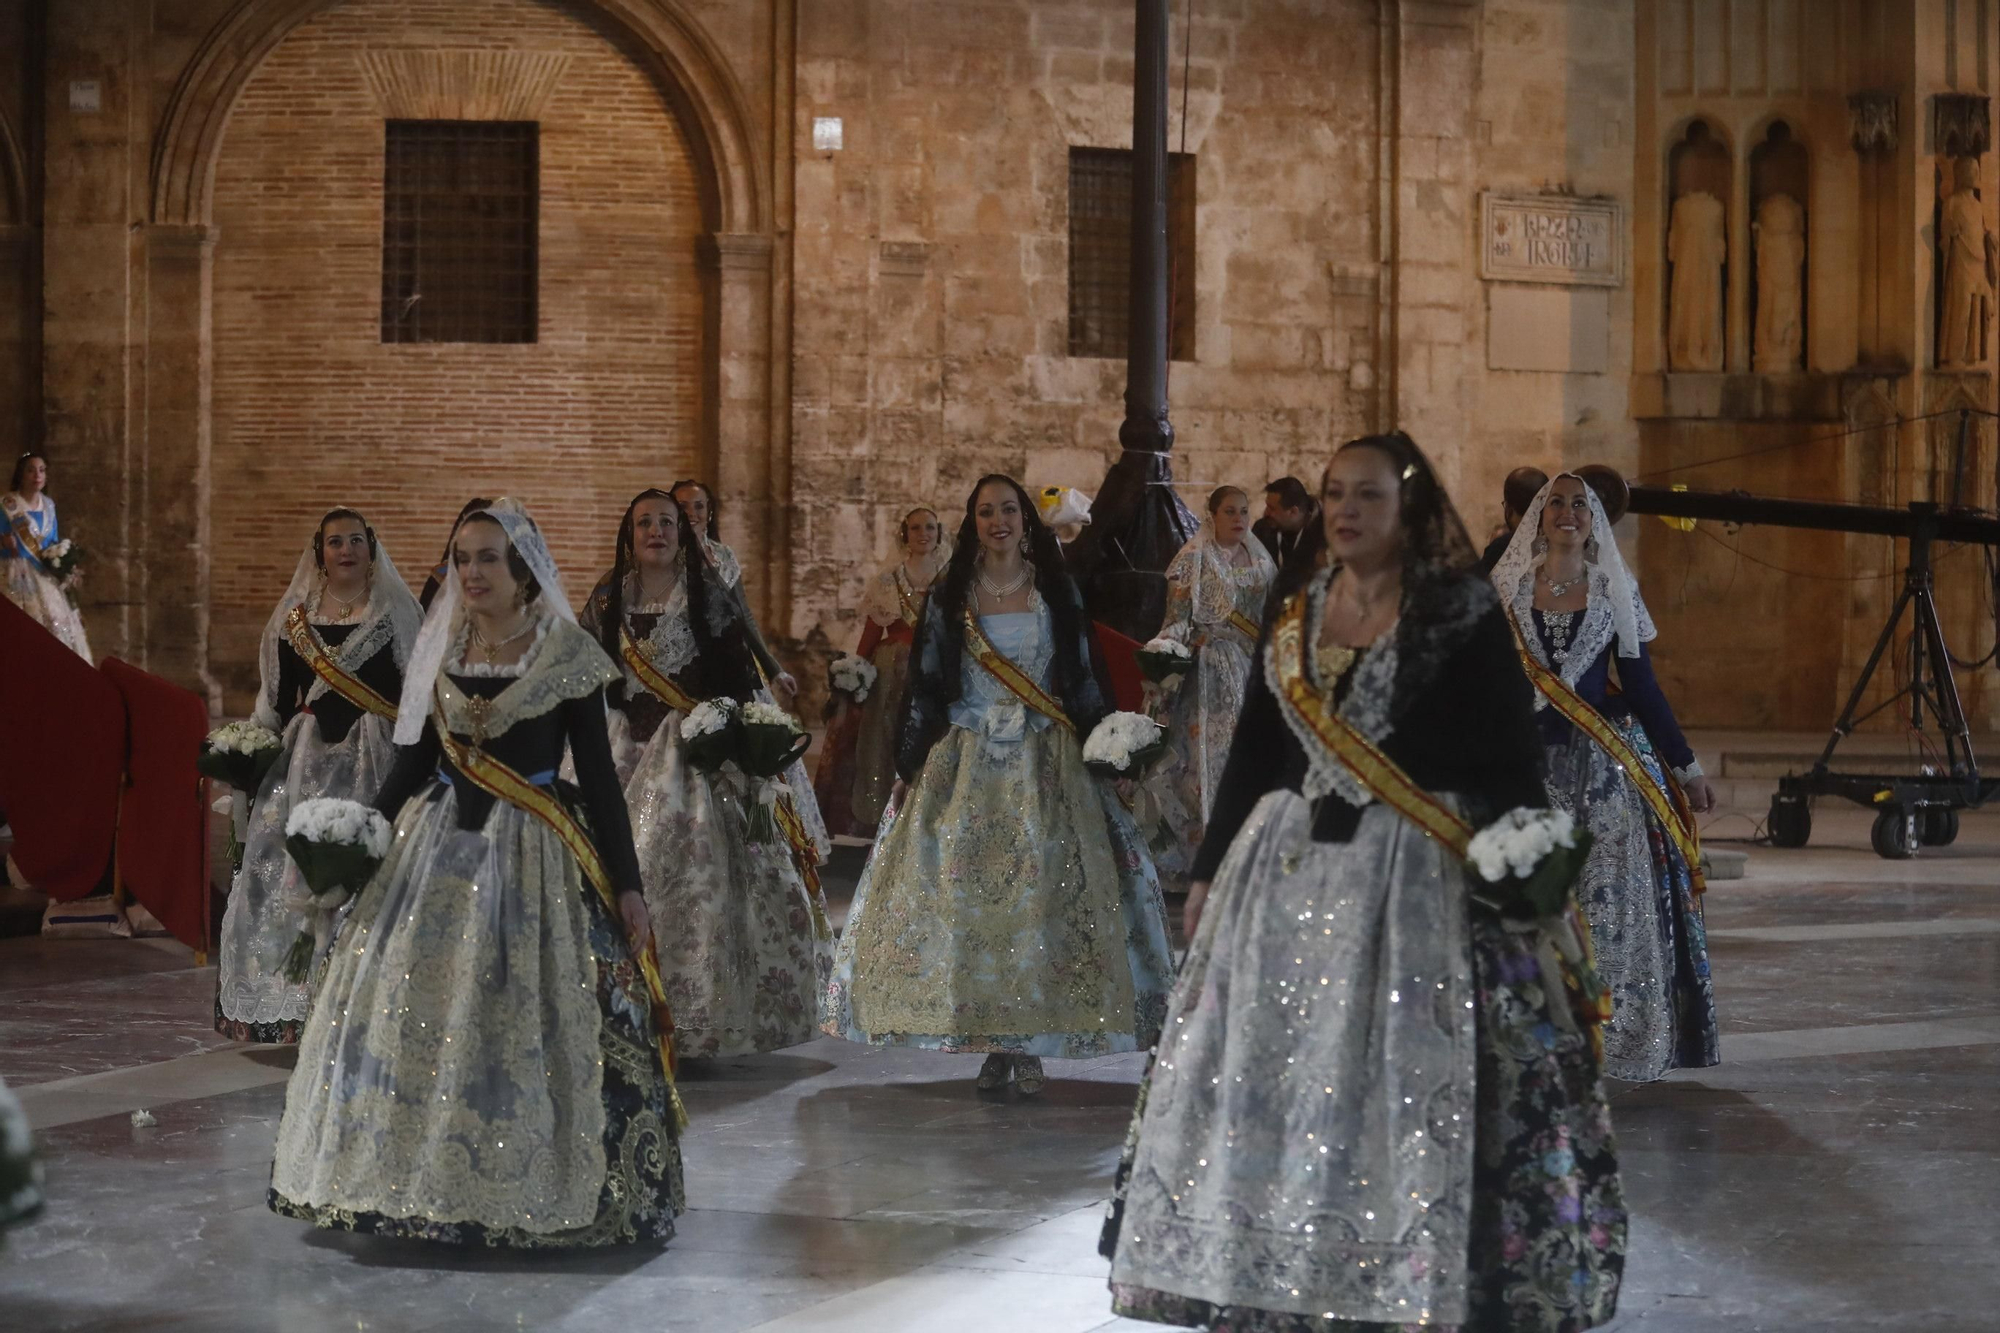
{"points": [[704, 96]]}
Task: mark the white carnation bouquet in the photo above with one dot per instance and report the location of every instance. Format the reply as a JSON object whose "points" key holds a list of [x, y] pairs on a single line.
{"points": [[852, 676], [1162, 660], [709, 732], [64, 560], [239, 754], [1529, 858], [337, 846], [1123, 744], [756, 740]]}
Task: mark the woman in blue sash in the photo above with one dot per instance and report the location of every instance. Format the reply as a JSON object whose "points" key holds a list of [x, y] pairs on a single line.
{"points": [[1618, 762], [331, 662], [30, 536], [1378, 1103], [1010, 906], [484, 1062]]}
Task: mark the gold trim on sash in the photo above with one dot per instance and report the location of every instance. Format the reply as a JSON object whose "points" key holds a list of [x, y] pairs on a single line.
{"points": [[1002, 669], [1376, 771], [654, 679], [299, 631], [19, 517], [1244, 625], [497, 779], [1669, 804], [806, 857]]}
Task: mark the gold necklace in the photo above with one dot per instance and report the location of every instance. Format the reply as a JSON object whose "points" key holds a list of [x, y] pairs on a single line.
{"points": [[491, 647], [346, 607]]}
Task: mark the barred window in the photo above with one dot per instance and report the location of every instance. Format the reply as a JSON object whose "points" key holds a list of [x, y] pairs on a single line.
{"points": [[460, 204], [1100, 252]]}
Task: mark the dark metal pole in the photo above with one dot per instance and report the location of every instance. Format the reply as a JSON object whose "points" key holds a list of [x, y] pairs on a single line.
{"points": [[1138, 522]]}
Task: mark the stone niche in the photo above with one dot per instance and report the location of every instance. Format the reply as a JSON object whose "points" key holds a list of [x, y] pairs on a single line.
{"points": [[1697, 250], [1779, 189]]}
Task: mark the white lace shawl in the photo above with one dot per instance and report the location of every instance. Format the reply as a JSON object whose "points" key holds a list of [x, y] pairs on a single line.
{"points": [[1615, 609], [392, 616], [1204, 567]]}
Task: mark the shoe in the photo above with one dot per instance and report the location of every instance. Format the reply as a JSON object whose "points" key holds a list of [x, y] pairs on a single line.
{"points": [[1028, 1076], [993, 1075]]}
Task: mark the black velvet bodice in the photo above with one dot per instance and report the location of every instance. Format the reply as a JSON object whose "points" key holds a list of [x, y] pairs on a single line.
{"points": [[531, 747], [332, 714]]}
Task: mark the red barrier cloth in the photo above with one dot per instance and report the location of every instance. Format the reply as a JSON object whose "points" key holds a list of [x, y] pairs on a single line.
{"points": [[162, 824], [1122, 662], [62, 728]]}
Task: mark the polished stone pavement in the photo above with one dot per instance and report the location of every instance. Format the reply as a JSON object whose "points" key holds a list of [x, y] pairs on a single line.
{"points": [[1840, 1171]]}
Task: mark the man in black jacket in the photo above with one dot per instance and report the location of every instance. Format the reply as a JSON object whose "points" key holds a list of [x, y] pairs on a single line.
{"points": [[1523, 484], [1288, 510]]}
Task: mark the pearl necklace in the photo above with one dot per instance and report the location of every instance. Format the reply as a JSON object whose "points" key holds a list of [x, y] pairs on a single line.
{"points": [[998, 593], [491, 647]]}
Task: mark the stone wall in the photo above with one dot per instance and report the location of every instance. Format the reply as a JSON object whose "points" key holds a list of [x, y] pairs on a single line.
{"points": [[312, 408]]}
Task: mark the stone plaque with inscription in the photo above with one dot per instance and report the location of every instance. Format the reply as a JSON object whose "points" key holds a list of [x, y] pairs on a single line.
{"points": [[1550, 238]]}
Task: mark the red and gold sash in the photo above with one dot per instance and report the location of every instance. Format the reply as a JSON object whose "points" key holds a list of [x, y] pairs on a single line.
{"points": [[499, 780], [308, 646], [1668, 803], [651, 676], [1016, 680], [1380, 774]]}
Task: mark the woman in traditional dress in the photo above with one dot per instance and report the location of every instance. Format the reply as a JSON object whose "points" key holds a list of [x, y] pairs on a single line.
{"points": [[857, 765], [1619, 763], [31, 532], [483, 1063], [1010, 906], [698, 505], [331, 661], [1377, 1106], [1216, 588], [744, 945], [442, 569]]}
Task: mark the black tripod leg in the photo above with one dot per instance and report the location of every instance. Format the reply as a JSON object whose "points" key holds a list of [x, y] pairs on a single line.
{"points": [[1845, 724]]}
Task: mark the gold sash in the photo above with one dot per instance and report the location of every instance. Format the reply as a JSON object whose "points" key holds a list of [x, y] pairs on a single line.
{"points": [[1380, 774], [24, 535], [1244, 625], [501, 781], [651, 676], [308, 646], [1668, 804], [1016, 680]]}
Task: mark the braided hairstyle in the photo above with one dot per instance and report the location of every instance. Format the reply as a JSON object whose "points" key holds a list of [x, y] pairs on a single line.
{"points": [[332, 515]]}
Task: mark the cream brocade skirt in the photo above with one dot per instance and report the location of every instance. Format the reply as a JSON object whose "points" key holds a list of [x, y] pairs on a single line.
{"points": [[1010, 906], [744, 948], [452, 1077], [45, 602]]}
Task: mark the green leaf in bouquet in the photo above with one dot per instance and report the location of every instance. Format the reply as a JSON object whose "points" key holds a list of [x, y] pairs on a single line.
{"points": [[329, 867], [711, 750], [299, 958], [1547, 891], [245, 772]]}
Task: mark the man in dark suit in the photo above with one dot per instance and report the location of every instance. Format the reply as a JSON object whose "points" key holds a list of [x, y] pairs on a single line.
{"points": [[1288, 510], [1523, 484]]}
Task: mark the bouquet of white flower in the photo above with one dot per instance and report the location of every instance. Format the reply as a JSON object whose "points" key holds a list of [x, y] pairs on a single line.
{"points": [[337, 845], [1123, 744], [710, 733], [20, 1169], [852, 676], [63, 560], [1162, 660], [239, 754], [773, 740], [1530, 858]]}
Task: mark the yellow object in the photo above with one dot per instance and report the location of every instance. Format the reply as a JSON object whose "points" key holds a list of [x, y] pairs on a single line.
{"points": [[1677, 524]]}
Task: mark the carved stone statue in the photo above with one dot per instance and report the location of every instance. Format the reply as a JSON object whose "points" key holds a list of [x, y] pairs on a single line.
{"points": [[1781, 257], [1697, 248], [1966, 247]]}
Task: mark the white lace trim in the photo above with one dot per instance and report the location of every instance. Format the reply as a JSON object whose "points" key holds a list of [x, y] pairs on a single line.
{"points": [[670, 644], [1595, 629], [1366, 707], [510, 670], [353, 654]]}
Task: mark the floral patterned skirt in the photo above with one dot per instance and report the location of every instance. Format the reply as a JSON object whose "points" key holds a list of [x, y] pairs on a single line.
{"points": [[1010, 906], [1544, 1229], [744, 946], [479, 1065]]}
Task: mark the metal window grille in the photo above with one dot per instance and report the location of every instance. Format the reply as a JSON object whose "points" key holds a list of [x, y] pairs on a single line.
{"points": [[1100, 252], [460, 206]]}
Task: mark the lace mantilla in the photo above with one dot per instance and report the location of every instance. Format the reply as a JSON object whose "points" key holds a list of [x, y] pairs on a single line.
{"points": [[565, 663], [1366, 708], [670, 645]]}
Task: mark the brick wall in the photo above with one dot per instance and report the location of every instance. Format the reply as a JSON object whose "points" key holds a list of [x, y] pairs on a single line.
{"points": [[931, 257], [311, 409]]}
